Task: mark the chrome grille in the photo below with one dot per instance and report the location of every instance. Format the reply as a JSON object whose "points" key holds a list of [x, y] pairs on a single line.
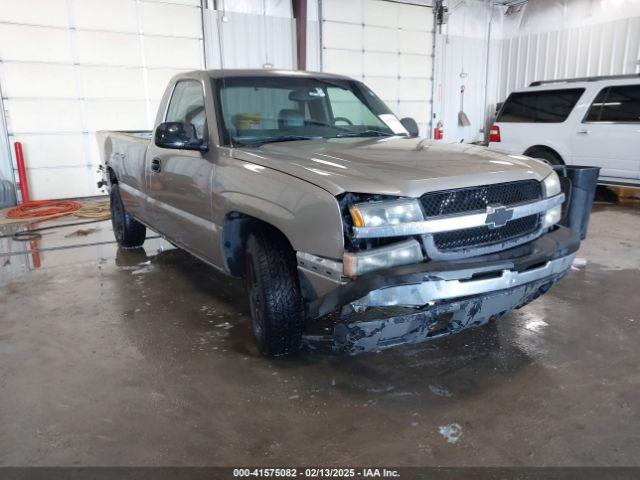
{"points": [[476, 199], [483, 236], [467, 200]]}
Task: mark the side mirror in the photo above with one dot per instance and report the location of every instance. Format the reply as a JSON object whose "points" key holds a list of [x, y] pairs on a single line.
{"points": [[179, 136], [411, 126]]}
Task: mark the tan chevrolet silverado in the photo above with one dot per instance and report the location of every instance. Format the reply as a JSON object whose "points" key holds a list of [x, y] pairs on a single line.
{"points": [[351, 233]]}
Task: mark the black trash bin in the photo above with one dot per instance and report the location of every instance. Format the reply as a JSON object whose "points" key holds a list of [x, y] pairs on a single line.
{"points": [[7, 193], [579, 186]]}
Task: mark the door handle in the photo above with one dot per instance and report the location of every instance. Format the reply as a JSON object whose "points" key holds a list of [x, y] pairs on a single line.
{"points": [[584, 131], [156, 165]]}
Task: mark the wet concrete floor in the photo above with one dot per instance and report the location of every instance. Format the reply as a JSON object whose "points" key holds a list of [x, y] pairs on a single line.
{"points": [[110, 357]]}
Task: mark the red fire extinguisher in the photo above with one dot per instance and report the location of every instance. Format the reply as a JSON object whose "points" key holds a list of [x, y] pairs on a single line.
{"points": [[438, 132]]}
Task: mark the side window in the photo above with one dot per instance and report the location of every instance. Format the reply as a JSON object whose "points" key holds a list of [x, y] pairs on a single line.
{"points": [[622, 105], [593, 115], [542, 106], [187, 106]]}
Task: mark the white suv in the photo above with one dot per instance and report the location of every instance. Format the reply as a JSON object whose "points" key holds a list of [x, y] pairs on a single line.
{"points": [[584, 121]]}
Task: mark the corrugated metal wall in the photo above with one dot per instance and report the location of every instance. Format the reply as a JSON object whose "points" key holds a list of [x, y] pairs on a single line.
{"points": [[461, 60], [609, 48], [250, 39]]}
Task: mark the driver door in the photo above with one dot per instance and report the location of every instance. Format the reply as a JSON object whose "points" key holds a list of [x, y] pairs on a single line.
{"points": [[180, 180]]}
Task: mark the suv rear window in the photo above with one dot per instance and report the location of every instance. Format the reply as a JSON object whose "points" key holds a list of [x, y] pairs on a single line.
{"points": [[616, 104], [544, 106]]}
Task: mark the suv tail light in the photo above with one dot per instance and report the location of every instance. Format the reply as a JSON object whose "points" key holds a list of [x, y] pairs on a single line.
{"points": [[494, 133]]}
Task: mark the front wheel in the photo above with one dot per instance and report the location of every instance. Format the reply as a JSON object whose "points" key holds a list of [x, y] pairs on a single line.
{"points": [[277, 308], [128, 231]]}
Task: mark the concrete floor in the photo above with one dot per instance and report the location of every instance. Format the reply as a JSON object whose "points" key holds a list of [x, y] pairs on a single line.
{"points": [[124, 358]]}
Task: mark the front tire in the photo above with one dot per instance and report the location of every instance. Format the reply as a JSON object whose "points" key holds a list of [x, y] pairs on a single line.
{"points": [[128, 231], [277, 308]]}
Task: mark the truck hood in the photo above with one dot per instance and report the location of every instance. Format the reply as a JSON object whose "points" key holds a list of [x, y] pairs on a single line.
{"points": [[392, 166]]}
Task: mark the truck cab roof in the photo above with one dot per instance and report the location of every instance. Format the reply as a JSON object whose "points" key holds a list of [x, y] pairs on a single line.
{"points": [[265, 72]]}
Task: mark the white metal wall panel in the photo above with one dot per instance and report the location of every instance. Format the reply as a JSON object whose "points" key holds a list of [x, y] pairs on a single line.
{"points": [[34, 12], [415, 17], [609, 48], [114, 15], [112, 82], [250, 40], [382, 14], [55, 150], [270, 8], [27, 115], [341, 11], [388, 45], [59, 182], [34, 44], [457, 54], [192, 3], [345, 62], [45, 80], [157, 80], [108, 114], [71, 67], [108, 48], [313, 37], [171, 20], [182, 53]]}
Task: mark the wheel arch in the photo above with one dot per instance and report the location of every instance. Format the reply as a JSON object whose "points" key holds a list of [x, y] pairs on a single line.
{"points": [[113, 179], [546, 148], [236, 230]]}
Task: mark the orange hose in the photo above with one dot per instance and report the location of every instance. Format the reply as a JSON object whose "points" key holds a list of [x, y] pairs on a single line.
{"points": [[44, 208]]}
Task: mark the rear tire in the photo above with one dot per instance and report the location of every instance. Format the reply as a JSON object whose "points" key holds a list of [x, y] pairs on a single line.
{"points": [[277, 308], [128, 231], [547, 156]]}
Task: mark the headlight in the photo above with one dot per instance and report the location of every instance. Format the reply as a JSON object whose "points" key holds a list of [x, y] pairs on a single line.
{"points": [[401, 253], [551, 185], [386, 213], [552, 216]]}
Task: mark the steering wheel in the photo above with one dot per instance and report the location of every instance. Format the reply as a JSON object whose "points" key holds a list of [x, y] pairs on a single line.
{"points": [[342, 119]]}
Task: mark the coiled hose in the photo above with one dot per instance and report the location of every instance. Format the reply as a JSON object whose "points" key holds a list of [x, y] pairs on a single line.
{"points": [[45, 210]]}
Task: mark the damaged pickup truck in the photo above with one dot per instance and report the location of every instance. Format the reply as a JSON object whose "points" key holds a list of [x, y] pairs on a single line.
{"points": [[351, 233]]}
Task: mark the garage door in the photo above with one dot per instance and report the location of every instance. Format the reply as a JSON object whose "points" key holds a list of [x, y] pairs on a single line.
{"points": [[387, 45], [71, 67]]}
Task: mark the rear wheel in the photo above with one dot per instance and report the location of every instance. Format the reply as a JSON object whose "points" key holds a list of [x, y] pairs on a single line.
{"points": [[128, 231], [277, 308], [547, 156]]}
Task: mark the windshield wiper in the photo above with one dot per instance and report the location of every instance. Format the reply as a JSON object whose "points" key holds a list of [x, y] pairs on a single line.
{"points": [[323, 124], [345, 132], [365, 133], [284, 138]]}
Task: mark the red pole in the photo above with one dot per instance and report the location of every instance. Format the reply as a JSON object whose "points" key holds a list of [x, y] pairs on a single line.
{"points": [[22, 172]]}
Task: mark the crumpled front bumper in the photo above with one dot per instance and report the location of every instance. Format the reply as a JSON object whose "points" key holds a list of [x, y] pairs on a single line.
{"points": [[414, 303]]}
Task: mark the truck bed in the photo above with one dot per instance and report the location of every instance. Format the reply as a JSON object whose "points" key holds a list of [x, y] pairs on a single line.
{"points": [[126, 148]]}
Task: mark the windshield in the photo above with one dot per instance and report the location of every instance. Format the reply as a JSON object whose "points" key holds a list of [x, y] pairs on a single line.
{"points": [[258, 110]]}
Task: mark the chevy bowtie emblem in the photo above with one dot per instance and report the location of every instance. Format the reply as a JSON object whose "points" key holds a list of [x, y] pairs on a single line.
{"points": [[498, 216]]}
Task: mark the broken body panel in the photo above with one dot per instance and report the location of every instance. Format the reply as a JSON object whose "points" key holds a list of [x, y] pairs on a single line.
{"points": [[415, 303]]}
